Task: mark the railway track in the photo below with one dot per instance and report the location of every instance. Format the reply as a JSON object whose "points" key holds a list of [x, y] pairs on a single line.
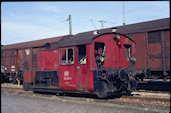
{"points": [[158, 98], [147, 85], [155, 85]]}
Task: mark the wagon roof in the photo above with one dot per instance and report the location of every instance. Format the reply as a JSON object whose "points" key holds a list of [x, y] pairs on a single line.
{"points": [[36, 43], [86, 37]]}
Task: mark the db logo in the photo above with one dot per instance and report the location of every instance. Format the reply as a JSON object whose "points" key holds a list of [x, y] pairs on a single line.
{"points": [[66, 73]]}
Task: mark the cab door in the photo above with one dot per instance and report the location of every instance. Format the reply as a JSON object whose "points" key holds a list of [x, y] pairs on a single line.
{"points": [[82, 68], [67, 69]]}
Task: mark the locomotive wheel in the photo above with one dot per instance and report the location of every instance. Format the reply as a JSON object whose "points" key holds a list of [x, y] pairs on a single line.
{"points": [[147, 72], [117, 95], [122, 74], [101, 94], [26, 86], [60, 94], [133, 85]]}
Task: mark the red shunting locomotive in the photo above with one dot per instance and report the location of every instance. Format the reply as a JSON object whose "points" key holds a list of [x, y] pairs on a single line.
{"points": [[94, 62]]}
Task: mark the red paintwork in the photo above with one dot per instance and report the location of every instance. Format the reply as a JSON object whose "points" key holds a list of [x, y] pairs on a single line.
{"points": [[47, 60], [84, 74], [114, 53], [128, 42], [67, 76], [29, 76], [74, 79]]}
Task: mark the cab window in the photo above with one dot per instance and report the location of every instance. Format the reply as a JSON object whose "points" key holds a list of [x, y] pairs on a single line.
{"points": [[127, 51], [99, 53], [82, 54], [66, 56]]}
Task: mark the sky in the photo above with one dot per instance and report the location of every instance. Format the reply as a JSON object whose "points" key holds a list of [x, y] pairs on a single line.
{"points": [[28, 21]]}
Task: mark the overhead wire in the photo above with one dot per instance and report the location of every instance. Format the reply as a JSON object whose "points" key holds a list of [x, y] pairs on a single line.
{"points": [[117, 20]]}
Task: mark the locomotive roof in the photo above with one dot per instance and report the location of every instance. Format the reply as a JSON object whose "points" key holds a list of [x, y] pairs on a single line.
{"points": [[87, 37], [36, 43], [81, 39]]}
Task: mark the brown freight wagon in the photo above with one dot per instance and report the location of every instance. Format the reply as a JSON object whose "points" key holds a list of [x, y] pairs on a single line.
{"points": [[16, 58], [152, 45]]}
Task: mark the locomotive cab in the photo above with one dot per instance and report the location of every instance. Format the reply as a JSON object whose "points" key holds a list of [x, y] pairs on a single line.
{"points": [[114, 65]]}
